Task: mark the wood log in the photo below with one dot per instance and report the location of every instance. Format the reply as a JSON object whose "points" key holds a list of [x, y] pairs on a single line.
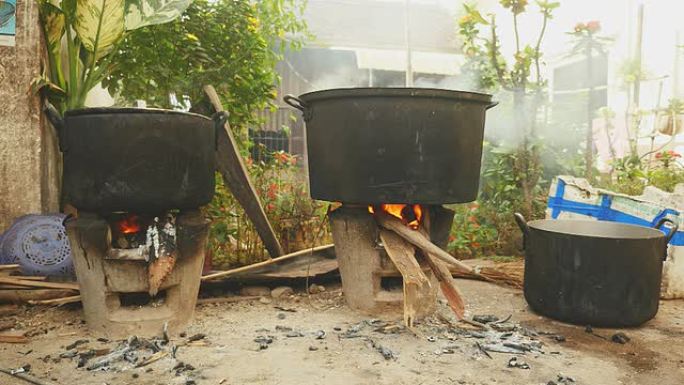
{"points": [[9, 267], [7, 324], [232, 168], [13, 338], [235, 298], [17, 281], [416, 285], [257, 265]]}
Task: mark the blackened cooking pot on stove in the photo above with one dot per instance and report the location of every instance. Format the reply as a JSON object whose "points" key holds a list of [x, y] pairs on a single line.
{"points": [[136, 159], [594, 272], [394, 145]]}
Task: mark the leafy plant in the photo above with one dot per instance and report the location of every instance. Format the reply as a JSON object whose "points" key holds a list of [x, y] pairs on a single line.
{"points": [[233, 45], [299, 221], [87, 33]]}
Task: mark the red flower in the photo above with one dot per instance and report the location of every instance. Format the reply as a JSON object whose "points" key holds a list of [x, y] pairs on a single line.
{"points": [[272, 191], [593, 26]]}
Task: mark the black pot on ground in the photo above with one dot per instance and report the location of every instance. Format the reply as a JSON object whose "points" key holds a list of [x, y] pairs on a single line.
{"points": [[394, 145], [135, 159], [594, 272]]}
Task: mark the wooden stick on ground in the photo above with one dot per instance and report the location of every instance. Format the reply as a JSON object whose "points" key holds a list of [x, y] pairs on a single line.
{"points": [[9, 267], [56, 301], [416, 284], [26, 377], [231, 166], [257, 265]]}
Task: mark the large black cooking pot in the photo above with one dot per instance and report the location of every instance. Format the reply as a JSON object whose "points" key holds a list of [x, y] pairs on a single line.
{"points": [[393, 145], [135, 159], [594, 272]]}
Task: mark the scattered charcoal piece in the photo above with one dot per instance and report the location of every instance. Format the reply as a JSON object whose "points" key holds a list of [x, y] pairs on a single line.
{"points": [[515, 363], [387, 353], [183, 334], [103, 340], [589, 329], [287, 309], [281, 316], [262, 330], [69, 354], [312, 348], [320, 334], [197, 337], [620, 338], [485, 318], [432, 338], [264, 341], [280, 328], [337, 329], [190, 382], [558, 338], [135, 375], [75, 344], [294, 334]]}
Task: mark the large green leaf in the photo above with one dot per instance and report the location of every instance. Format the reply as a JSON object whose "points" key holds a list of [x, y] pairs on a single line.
{"points": [[99, 22], [140, 13], [52, 18]]}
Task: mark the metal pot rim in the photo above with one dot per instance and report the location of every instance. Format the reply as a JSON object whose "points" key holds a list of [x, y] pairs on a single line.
{"points": [[396, 92], [129, 110], [596, 229]]}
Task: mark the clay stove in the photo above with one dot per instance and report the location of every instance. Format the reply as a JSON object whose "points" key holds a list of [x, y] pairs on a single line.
{"points": [[132, 285], [375, 281]]}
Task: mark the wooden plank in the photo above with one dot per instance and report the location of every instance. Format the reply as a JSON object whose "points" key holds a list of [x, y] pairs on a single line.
{"points": [[38, 284], [9, 267], [416, 284], [257, 265], [232, 168]]}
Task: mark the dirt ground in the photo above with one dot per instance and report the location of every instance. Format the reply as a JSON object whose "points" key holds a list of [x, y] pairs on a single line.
{"points": [[433, 354]]}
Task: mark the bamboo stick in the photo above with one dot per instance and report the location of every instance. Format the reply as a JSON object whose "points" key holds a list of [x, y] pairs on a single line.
{"points": [[56, 301], [257, 265]]}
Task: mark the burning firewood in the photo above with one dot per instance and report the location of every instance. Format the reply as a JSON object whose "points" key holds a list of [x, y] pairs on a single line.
{"points": [[415, 284], [161, 241], [442, 273]]}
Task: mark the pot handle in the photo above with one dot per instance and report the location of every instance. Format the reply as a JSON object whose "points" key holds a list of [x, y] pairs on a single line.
{"points": [[673, 229], [522, 223], [300, 105], [492, 104], [57, 122]]}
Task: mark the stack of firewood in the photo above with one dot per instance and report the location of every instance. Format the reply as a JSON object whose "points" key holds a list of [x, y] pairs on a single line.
{"points": [[36, 290]]}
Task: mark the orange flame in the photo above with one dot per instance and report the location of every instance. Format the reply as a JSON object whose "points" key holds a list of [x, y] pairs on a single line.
{"points": [[129, 225], [409, 214]]}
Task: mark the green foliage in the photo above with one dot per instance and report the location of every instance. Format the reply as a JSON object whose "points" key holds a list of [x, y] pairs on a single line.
{"points": [[632, 174], [233, 45], [299, 221], [92, 30]]}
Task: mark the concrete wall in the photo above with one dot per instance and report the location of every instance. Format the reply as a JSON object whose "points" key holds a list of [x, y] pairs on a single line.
{"points": [[28, 167]]}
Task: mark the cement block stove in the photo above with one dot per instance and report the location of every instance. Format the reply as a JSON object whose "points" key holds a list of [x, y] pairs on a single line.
{"points": [[137, 178], [393, 157]]}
